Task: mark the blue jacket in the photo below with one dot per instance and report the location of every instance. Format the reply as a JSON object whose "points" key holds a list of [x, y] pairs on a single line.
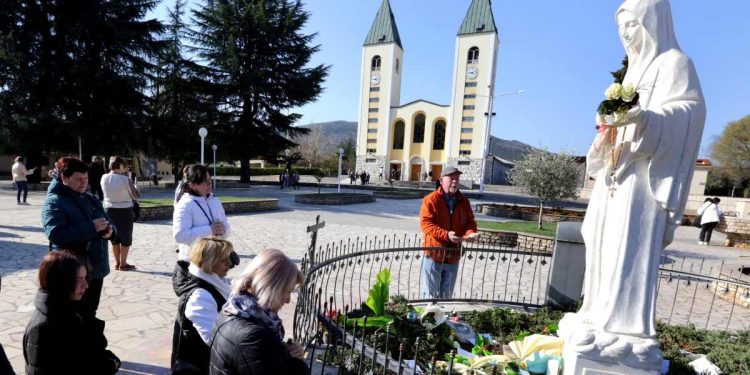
{"points": [[67, 221]]}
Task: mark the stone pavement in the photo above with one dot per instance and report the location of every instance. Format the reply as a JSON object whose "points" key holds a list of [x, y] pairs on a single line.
{"points": [[139, 306]]}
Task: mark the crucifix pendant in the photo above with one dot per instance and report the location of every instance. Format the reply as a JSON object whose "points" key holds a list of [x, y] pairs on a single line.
{"points": [[613, 187]]}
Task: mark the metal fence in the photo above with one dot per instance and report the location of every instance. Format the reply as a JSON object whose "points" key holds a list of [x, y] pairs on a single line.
{"points": [[503, 269], [709, 294], [490, 271]]}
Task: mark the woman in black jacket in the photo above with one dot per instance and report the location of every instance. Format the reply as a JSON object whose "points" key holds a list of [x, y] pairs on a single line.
{"points": [[248, 335], [59, 339]]}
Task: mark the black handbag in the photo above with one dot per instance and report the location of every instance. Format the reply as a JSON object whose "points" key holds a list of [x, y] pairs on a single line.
{"points": [[697, 221]]}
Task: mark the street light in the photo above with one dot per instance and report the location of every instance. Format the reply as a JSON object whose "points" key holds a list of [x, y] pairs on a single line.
{"points": [[488, 133], [214, 147], [338, 176], [202, 132]]}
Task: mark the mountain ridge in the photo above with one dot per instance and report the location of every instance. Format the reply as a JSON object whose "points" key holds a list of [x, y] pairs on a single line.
{"points": [[340, 130]]}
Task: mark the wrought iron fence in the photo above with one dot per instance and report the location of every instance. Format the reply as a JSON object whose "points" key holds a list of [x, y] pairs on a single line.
{"points": [[706, 293], [508, 270], [505, 269]]}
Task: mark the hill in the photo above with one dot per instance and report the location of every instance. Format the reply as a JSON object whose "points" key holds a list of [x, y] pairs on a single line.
{"points": [[338, 131]]}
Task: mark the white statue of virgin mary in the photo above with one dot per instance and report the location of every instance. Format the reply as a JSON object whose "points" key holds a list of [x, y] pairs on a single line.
{"points": [[639, 196]]}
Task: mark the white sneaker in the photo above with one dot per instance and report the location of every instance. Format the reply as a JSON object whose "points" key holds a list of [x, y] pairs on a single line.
{"points": [[700, 242]]}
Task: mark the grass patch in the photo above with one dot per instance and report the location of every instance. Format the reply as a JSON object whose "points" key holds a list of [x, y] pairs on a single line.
{"points": [[153, 202], [530, 227]]}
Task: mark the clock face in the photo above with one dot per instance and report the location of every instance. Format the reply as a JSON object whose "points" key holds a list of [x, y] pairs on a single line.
{"points": [[472, 72], [375, 79]]}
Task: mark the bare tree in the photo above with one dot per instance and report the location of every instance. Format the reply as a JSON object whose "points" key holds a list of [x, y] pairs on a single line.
{"points": [[315, 147], [547, 176]]}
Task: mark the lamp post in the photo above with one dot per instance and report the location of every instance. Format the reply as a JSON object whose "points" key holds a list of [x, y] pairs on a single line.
{"points": [[488, 133], [338, 176], [202, 132], [214, 147]]}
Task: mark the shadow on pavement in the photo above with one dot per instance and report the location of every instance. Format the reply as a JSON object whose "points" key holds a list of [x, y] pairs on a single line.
{"points": [[142, 369], [17, 256], [23, 228]]}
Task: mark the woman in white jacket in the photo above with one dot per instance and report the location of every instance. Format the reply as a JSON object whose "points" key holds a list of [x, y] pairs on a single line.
{"points": [[20, 172], [197, 214], [202, 294], [709, 214]]}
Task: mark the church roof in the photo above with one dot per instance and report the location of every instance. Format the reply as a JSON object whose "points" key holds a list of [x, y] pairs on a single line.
{"points": [[384, 28], [479, 18]]}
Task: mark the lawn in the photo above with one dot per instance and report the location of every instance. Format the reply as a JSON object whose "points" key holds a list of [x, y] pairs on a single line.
{"points": [[529, 227], [151, 202]]}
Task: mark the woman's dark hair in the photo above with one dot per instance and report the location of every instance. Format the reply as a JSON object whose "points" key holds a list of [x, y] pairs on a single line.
{"points": [[197, 174], [58, 273], [19, 159], [115, 162], [708, 200], [716, 200], [69, 165]]}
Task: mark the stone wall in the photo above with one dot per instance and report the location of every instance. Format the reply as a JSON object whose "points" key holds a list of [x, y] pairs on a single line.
{"points": [[371, 164], [510, 213], [334, 198], [520, 241], [471, 168], [737, 231], [165, 212]]}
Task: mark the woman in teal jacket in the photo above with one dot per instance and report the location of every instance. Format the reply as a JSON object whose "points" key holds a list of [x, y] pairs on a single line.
{"points": [[76, 221]]}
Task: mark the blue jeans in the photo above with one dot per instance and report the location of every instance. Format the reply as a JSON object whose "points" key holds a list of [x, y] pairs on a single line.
{"points": [[438, 279], [22, 186]]}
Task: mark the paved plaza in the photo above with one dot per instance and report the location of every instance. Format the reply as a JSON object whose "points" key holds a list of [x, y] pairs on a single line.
{"points": [[139, 306]]}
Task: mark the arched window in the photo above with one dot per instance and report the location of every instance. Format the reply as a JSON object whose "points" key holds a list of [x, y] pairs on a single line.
{"points": [[438, 139], [418, 129], [398, 136], [375, 64], [473, 55]]}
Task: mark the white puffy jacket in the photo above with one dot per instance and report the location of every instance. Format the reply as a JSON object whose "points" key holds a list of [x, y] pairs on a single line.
{"points": [[189, 222], [709, 213]]}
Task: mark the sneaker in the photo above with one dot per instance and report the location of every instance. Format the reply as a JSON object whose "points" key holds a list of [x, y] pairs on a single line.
{"points": [[700, 242], [26, 204], [19, 203]]}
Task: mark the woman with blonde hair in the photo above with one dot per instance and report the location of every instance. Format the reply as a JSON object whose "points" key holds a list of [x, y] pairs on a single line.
{"points": [[202, 295], [248, 335]]}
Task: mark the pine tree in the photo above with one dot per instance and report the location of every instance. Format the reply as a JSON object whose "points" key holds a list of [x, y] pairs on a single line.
{"points": [[260, 58], [74, 69], [180, 101]]}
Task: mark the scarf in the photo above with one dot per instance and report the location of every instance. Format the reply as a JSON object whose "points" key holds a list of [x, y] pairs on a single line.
{"points": [[222, 285], [246, 305]]}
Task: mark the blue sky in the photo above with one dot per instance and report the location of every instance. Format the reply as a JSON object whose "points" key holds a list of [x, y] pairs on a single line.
{"points": [[560, 51]]}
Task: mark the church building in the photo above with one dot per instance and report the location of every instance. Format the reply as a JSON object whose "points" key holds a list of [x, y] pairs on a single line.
{"points": [[408, 141]]}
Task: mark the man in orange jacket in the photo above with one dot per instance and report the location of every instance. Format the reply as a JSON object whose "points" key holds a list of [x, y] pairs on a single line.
{"points": [[447, 220]]}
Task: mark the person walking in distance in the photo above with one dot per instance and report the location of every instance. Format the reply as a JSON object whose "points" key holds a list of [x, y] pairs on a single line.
{"points": [[20, 172], [709, 215], [447, 221]]}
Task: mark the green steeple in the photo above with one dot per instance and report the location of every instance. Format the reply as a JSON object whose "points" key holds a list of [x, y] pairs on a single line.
{"points": [[384, 28], [478, 18]]}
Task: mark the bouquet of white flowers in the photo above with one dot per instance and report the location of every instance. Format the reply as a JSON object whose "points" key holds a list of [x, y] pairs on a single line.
{"points": [[620, 99]]}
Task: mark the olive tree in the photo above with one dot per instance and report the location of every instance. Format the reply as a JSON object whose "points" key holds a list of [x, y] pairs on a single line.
{"points": [[547, 176], [731, 153]]}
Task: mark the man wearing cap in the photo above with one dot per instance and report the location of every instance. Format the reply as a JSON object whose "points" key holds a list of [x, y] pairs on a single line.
{"points": [[447, 220]]}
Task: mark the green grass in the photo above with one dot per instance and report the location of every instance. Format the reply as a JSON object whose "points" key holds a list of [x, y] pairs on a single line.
{"points": [[529, 227], [152, 202]]}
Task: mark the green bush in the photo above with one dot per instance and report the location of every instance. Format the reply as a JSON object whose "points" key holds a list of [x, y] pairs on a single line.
{"points": [[235, 171]]}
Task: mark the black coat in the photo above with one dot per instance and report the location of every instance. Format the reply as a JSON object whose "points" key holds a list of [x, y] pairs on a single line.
{"points": [[58, 340], [245, 347]]}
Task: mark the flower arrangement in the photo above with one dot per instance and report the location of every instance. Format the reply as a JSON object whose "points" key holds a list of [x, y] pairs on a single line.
{"points": [[620, 99]]}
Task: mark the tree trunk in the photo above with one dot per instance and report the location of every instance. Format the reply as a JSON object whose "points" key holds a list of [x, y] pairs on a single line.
{"points": [[541, 209], [245, 170]]}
